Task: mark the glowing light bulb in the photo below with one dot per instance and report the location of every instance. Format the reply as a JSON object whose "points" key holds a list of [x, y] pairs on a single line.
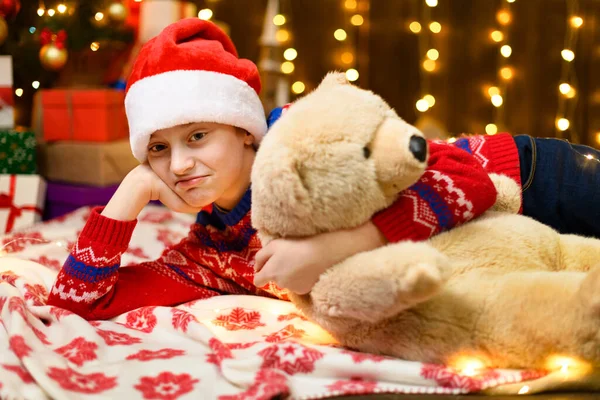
{"points": [[598, 137], [429, 99], [19, 92], [352, 74], [340, 34], [298, 87], [562, 124], [576, 22], [431, 3], [451, 140], [503, 17], [491, 129], [589, 156], [506, 51], [493, 90], [205, 14], [347, 57], [564, 88], [435, 27], [282, 35], [290, 54], [51, 12], [99, 16], [567, 55], [506, 73], [279, 20], [95, 46], [415, 27], [35, 84], [40, 11], [433, 54], [287, 67], [497, 100], [497, 36], [422, 105], [429, 65], [350, 4], [61, 8], [523, 390], [357, 20]]}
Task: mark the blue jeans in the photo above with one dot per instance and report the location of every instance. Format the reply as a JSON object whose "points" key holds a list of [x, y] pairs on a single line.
{"points": [[561, 184]]}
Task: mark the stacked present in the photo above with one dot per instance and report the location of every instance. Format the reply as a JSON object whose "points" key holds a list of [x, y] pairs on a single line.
{"points": [[22, 191], [84, 146]]}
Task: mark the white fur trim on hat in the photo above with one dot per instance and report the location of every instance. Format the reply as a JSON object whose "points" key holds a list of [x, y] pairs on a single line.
{"points": [[182, 97]]}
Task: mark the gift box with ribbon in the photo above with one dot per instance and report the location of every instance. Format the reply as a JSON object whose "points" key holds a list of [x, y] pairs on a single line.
{"points": [[94, 164], [17, 152], [7, 112], [21, 201], [83, 115]]}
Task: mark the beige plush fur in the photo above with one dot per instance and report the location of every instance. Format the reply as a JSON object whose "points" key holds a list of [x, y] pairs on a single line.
{"points": [[503, 287]]}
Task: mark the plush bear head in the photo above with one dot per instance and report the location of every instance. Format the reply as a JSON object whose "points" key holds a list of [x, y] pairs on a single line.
{"points": [[333, 159]]}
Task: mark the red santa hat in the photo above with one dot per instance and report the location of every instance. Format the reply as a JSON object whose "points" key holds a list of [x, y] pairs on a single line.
{"points": [[190, 73]]}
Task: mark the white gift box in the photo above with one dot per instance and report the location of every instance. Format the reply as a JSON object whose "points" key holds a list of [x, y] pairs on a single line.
{"points": [[7, 111], [21, 201]]}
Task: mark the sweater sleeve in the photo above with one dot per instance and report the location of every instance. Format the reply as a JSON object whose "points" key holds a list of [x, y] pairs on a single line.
{"points": [[454, 189], [92, 284]]}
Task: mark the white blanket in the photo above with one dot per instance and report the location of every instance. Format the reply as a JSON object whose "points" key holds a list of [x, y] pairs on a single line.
{"points": [[227, 347]]}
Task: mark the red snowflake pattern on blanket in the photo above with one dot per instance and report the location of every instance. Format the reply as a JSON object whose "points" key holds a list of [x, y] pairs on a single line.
{"points": [[20, 371], [220, 352], [142, 319], [3, 300], [360, 357], [157, 217], [20, 240], [162, 354], [449, 378], [113, 338], [40, 335], [268, 384], [290, 357], [9, 277], [55, 265], [529, 375], [74, 381], [16, 304], [78, 351], [36, 293], [58, 312], [288, 332], [355, 385], [240, 346], [18, 346], [239, 319], [166, 386], [137, 252], [181, 319], [292, 315]]}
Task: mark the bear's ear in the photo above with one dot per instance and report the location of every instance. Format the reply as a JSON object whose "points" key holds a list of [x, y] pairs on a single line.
{"points": [[334, 78]]}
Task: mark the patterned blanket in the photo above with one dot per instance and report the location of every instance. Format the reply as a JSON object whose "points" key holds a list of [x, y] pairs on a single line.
{"points": [[228, 347]]}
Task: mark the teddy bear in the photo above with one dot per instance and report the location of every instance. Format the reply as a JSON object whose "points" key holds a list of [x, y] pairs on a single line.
{"points": [[502, 288]]}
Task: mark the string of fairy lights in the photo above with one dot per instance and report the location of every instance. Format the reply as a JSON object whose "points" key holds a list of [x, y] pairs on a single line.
{"points": [[497, 92], [428, 54]]}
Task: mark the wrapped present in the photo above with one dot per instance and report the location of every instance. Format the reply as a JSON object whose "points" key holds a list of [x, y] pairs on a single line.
{"points": [[21, 201], [17, 152], [62, 198], [83, 115], [7, 111], [94, 164]]}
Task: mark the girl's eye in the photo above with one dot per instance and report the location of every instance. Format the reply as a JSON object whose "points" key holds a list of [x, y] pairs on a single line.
{"points": [[157, 147], [197, 136]]}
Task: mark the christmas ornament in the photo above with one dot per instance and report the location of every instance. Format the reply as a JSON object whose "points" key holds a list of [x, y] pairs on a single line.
{"points": [[117, 12], [53, 54], [9, 8], [3, 30]]}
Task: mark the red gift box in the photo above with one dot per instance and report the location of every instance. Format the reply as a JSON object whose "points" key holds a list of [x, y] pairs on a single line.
{"points": [[84, 115]]}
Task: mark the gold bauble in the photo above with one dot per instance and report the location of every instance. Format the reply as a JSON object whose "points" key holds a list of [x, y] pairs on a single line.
{"points": [[3, 30], [52, 57], [117, 12]]}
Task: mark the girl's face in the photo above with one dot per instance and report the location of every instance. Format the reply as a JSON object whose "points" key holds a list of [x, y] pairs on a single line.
{"points": [[203, 162]]}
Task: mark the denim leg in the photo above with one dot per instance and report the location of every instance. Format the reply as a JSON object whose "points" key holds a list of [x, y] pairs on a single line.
{"points": [[561, 184]]}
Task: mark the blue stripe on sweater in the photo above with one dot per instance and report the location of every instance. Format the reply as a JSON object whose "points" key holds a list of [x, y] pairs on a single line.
{"points": [[463, 144], [88, 273], [437, 204]]}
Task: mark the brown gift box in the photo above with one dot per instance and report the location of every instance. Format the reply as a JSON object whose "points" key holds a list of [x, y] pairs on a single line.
{"points": [[96, 164]]}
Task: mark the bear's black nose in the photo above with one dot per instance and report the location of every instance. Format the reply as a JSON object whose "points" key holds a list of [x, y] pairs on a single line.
{"points": [[418, 147]]}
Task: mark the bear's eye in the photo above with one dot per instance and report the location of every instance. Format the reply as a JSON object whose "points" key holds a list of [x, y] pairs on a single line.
{"points": [[366, 152]]}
